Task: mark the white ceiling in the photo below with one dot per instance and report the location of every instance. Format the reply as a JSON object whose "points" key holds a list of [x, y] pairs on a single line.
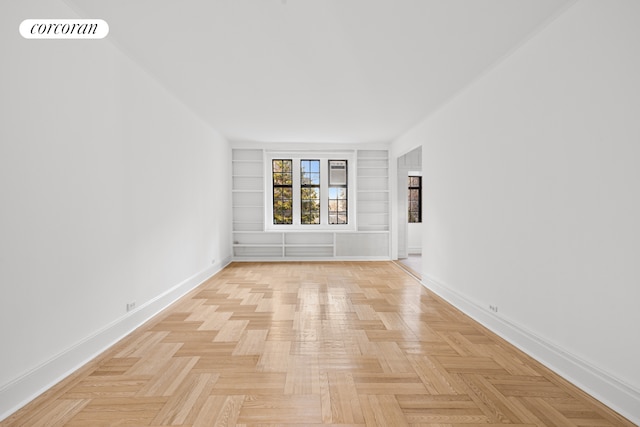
{"points": [[317, 70]]}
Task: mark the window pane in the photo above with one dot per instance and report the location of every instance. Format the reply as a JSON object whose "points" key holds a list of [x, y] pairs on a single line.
{"points": [[337, 193], [310, 216], [282, 179], [310, 211], [309, 172], [414, 181], [310, 193]]}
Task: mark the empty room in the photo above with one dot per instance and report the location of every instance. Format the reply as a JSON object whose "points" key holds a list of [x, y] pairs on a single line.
{"points": [[320, 212]]}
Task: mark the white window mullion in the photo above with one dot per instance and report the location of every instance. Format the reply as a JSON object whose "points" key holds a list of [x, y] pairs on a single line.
{"points": [[296, 191], [324, 192]]}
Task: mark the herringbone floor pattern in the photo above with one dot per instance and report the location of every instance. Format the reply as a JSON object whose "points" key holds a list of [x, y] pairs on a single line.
{"points": [[340, 343]]}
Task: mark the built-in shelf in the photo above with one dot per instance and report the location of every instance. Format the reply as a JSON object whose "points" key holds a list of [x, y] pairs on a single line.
{"points": [[309, 246], [255, 245], [248, 206], [252, 243], [373, 191]]}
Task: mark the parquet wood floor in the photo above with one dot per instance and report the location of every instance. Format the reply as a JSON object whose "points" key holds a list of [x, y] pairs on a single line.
{"points": [[342, 343]]}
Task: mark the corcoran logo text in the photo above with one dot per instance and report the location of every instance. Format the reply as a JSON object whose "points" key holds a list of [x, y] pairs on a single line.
{"points": [[64, 29]]}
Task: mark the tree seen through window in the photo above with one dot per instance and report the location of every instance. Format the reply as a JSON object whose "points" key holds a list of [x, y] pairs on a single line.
{"points": [[282, 191], [310, 191]]}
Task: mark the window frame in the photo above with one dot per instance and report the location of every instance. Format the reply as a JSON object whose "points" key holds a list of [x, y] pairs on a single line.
{"points": [[297, 157], [409, 199], [337, 200], [282, 187], [313, 186]]}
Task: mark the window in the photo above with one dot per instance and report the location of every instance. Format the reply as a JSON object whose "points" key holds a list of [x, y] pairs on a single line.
{"points": [[415, 199], [282, 191], [309, 191], [338, 202]]}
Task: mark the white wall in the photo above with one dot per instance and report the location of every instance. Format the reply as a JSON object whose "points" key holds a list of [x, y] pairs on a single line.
{"points": [[414, 238], [111, 192], [531, 191]]}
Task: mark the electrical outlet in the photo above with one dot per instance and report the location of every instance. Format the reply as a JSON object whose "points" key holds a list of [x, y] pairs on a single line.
{"points": [[131, 305], [493, 308]]}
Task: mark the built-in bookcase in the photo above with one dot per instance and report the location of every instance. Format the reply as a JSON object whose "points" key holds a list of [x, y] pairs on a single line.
{"points": [[370, 240], [248, 191], [373, 190]]}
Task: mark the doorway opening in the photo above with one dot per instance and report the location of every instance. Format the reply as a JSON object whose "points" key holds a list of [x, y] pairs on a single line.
{"points": [[410, 211]]}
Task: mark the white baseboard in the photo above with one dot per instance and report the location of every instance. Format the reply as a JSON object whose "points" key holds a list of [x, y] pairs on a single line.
{"points": [[311, 259], [608, 389], [24, 389]]}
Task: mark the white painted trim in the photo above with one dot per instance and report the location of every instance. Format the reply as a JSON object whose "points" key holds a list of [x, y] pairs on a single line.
{"points": [[17, 393], [613, 392]]}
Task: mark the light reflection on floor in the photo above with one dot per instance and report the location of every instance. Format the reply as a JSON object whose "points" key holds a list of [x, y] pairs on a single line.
{"points": [[413, 263]]}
